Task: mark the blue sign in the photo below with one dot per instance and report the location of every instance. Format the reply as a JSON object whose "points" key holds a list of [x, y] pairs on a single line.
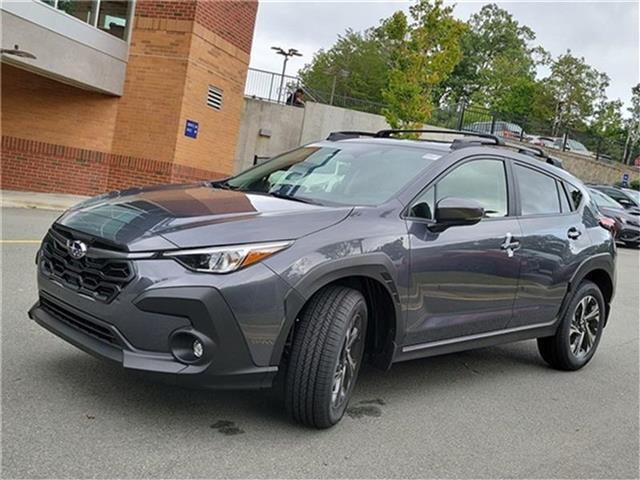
{"points": [[191, 129], [625, 180]]}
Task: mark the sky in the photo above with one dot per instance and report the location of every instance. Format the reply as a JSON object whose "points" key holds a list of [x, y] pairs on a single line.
{"points": [[605, 33]]}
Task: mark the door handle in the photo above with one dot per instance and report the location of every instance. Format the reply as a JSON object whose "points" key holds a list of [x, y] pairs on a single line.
{"points": [[574, 233], [510, 244]]}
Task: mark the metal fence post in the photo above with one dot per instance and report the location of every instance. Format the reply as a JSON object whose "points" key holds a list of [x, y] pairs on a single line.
{"points": [[493, 123], [271, 86], [461, 109], [565, 137]]}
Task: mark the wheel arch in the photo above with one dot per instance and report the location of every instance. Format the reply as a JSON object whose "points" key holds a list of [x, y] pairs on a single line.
{"points": [[373, 277], [599, 269]]}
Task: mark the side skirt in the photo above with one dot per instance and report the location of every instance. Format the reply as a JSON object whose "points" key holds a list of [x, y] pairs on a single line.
{"points": [[488, 339]]}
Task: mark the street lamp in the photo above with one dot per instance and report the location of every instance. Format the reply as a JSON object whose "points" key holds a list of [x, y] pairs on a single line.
{"points": [[292, 52]]}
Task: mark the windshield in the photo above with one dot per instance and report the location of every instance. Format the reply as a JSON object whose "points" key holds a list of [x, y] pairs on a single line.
{"points": [[634, 194], [347, 174], [603, 200]]}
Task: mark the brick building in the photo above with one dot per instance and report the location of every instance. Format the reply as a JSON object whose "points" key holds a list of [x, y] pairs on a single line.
{"points": [[121, 93]]}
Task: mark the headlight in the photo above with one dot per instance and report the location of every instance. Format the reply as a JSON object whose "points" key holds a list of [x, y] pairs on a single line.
{"points": [[226, 259]]}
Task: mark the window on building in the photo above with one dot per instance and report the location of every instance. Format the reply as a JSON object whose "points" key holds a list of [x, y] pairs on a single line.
{"points": [[81, 9], [112, 17]]}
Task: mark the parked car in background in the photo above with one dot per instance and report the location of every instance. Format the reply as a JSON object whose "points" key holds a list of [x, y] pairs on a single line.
{"points": [[541, 141], [627, 227], [572, 146], [634, 194], [624, 196], [502, 129]]}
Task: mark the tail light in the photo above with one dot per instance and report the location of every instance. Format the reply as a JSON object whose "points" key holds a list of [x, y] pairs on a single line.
{"points": [[607, 223]]}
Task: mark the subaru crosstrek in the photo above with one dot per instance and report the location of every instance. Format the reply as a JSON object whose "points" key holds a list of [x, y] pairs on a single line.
{"points": [[365, 247]]}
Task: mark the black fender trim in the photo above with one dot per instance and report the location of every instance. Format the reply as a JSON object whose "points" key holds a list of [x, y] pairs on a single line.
{"points": [[376, 266], [601, 261]]}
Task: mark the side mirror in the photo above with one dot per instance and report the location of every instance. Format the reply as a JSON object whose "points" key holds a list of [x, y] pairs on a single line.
{"points": [[452, 211]]}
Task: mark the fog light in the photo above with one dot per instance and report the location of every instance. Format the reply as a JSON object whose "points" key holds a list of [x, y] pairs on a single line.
{"points": [[198, 348]]}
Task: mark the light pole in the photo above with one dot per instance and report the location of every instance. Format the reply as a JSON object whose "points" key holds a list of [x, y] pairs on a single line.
{"points": [[292, 52]]}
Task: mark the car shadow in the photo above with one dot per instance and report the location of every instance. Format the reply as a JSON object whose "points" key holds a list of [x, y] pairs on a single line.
{"points": [[108, 388]]}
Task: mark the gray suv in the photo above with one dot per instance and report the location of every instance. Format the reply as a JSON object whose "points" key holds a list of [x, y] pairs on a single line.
{"points": [[366, 247]]}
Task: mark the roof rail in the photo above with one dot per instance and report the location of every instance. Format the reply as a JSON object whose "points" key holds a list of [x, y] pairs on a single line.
{"points": [[538, 153], [477, 139], [495, 139], [345, 135]]}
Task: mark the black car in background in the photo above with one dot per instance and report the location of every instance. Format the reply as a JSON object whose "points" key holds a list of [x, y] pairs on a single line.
{"points": [[623, 196], [627, 224]]}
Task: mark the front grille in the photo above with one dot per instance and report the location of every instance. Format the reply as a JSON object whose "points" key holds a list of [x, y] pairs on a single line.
{"points": [[79, 323], [99, 278]]}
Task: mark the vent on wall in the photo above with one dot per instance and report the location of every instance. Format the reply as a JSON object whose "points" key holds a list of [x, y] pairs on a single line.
{"points": [[214, 98]]}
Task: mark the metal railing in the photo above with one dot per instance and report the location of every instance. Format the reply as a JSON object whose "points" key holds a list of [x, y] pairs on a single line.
{"points": [[273, 87]]}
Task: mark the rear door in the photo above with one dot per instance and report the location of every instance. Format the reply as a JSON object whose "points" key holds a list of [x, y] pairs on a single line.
{"points": [[553, 236], [463, 280]]}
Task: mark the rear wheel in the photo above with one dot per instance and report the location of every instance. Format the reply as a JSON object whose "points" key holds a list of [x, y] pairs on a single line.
{"points": [[326, 355], [578, 335]]}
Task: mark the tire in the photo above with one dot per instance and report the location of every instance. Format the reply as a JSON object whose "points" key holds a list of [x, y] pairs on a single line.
{"points": [[578, 335], [318, 363]]}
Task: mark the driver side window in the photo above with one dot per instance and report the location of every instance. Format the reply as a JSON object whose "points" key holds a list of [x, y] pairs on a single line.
{"points": [[484, 181]]}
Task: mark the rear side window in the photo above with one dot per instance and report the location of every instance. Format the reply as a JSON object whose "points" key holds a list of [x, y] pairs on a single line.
{"points": [[575, 196], [538, 192]]}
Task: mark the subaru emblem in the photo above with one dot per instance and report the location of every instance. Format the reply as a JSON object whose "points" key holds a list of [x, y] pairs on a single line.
{"points": [[77, 249]]}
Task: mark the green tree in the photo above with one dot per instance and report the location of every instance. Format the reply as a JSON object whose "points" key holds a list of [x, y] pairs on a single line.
{"points": [[356, 66], [424, 50], [606, 129], [526, 100], [577, 88], [632, 125], [497, 57]]}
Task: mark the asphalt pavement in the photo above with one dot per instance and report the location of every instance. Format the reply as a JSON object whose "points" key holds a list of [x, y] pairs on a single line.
{"points": [[495, 412]]}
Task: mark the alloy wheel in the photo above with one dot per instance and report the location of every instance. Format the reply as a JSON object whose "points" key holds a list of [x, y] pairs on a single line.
{"points": [[584, 327], [347, 367]]}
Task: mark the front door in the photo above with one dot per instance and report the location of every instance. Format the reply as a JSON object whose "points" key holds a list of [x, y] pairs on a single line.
{"points": [[464, 279]]}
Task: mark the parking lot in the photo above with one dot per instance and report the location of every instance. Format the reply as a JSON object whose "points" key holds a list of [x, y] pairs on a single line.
{"points": [[496, 412]]}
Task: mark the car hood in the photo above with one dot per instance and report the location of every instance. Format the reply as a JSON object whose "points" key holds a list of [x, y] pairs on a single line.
{"points": [[186, 216]]}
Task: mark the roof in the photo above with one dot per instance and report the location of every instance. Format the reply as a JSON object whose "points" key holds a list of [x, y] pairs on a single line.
{"points": [[464, 139]]}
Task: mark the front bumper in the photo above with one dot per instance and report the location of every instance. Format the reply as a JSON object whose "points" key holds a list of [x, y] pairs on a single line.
{"points": [[629, 234], [226, 363], [237, 317]]}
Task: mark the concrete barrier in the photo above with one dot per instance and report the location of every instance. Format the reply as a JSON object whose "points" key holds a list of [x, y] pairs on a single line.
{"points": [[268, 129]]}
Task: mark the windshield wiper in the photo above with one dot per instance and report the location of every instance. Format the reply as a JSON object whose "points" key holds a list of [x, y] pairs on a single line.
{"points": [[295, 199], [224, 184]]}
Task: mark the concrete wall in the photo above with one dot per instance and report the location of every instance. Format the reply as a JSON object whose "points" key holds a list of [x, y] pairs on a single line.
{"points": [[268, 128], [288, 127]]}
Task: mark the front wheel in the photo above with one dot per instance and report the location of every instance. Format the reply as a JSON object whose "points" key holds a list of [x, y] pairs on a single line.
{"points": [[579, 333], [326, 354]]}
